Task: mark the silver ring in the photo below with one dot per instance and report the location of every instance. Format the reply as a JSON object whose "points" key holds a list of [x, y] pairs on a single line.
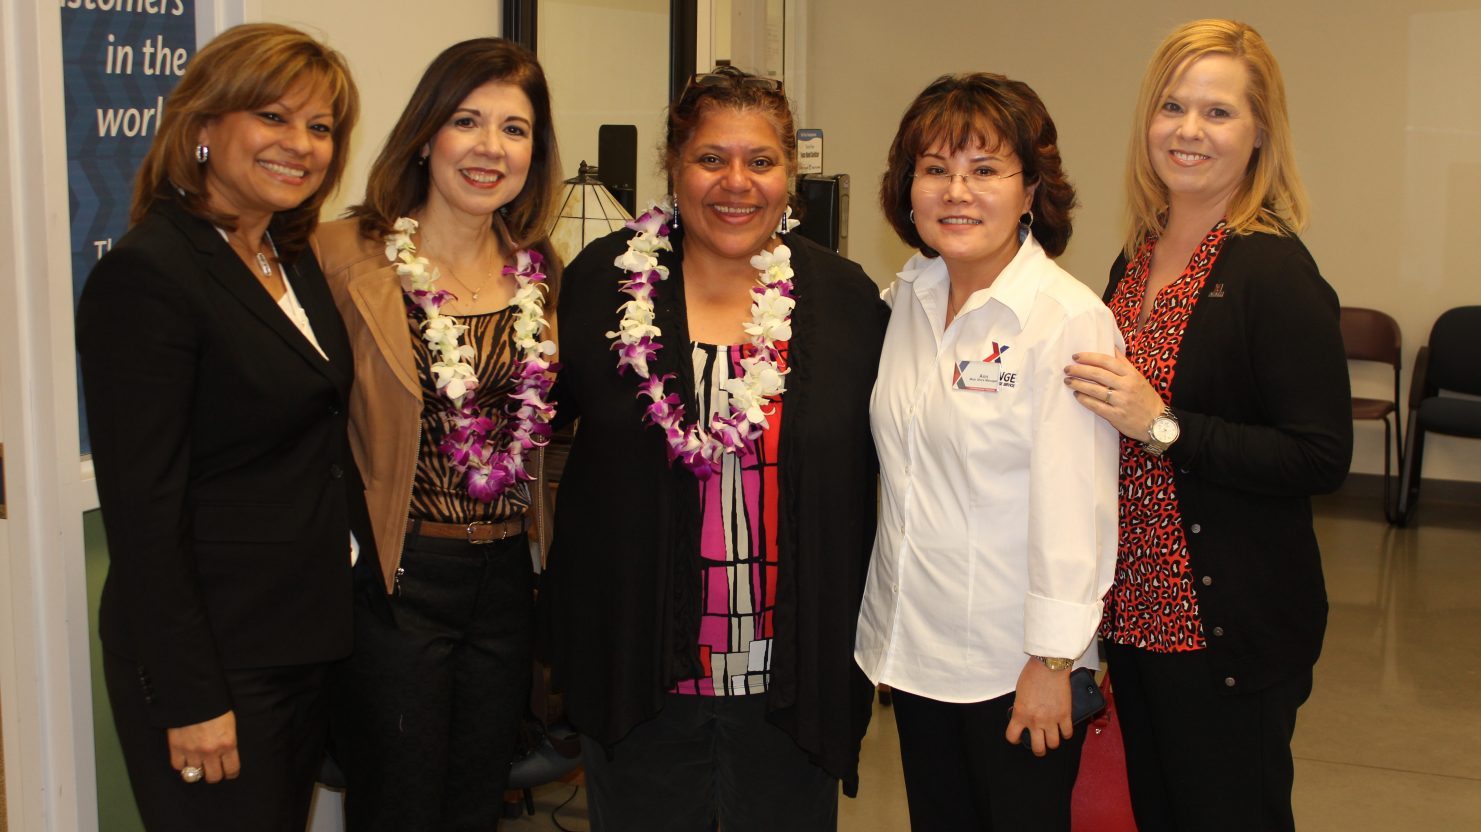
{"points": [[192, 774], [1109, 391]]}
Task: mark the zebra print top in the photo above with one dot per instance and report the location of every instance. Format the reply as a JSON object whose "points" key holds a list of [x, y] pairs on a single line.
{"points": [[438, 493]]}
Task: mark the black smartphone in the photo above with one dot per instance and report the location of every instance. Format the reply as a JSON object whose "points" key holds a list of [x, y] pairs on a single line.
{"points": [[1085, 701]]}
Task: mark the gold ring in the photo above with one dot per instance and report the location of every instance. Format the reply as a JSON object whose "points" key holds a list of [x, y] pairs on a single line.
{"points": [[192, 774]]}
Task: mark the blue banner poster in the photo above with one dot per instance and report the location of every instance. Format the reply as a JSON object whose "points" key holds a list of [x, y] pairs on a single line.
{"points": [[120, 59]]}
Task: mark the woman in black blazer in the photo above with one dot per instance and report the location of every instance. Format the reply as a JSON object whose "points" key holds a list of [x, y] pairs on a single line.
{"points": [[1233, 406], [217, 372]]}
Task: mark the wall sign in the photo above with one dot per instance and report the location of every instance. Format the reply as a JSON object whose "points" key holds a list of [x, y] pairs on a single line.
{"points": [[120, 59]]}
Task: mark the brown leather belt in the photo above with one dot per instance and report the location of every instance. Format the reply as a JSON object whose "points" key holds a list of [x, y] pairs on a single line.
{"points": [[477, 532]]}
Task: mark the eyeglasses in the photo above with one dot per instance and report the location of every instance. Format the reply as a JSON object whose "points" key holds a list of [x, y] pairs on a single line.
{"points": [[731, 79], [934, 179]]}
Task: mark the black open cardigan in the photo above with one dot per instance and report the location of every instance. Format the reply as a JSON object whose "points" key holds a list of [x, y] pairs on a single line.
{"points": [[1261, 390], [619, 605]]}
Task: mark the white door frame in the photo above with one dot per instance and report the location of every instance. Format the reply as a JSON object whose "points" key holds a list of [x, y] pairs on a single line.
{"points": [[44, 671]]}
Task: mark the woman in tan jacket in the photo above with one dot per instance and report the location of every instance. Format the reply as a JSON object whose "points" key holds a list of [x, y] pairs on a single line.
{"points": [[443, 276]]}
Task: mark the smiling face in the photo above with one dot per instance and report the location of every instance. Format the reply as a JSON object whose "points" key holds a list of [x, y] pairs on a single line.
{"points": [[1204, 132], [971, 221], [272, 158], [731, 183], [480, 159]]}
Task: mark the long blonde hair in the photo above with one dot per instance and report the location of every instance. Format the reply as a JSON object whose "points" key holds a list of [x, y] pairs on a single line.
{"points": [[245, 67], [1271, 198]]}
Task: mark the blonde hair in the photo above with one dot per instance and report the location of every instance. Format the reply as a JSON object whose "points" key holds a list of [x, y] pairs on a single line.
{"points": [[245, 67], [1271, 198]]}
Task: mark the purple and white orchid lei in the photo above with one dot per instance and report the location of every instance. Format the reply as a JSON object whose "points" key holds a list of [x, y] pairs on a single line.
{"points": [[701, 449], [490, 459]]}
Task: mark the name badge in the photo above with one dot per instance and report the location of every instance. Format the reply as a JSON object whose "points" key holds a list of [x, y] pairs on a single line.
{"points": [[982, 376]]}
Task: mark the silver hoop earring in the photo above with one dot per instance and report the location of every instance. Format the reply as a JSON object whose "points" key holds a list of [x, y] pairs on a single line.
{"points": [[202, 153], [912, 216], [674, 220], [1026, 219], [782, 225]]}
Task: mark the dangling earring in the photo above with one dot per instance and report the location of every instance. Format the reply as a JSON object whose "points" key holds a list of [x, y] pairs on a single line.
{"points": [[1026, 219], [674, 220], [782, 226], [422, 160], [202, 153], [912, 216]]}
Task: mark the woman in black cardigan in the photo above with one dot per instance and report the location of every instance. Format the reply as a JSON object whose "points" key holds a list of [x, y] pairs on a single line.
{"points": [[705, 578], [1233, 405]]}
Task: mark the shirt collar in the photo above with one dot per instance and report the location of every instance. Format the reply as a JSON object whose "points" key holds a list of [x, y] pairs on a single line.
{"points": [[1016, 286]]}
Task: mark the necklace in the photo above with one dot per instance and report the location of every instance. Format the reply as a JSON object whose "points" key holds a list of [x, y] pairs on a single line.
{"points": [[490, 460], [263, 265], [489, 275], [702, 448]]}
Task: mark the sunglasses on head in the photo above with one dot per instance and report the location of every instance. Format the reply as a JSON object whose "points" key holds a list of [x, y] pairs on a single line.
{"points": [[728, 79]]}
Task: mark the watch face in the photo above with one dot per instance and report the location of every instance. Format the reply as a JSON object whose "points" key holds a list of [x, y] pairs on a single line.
{"points": [[1165, 430]]}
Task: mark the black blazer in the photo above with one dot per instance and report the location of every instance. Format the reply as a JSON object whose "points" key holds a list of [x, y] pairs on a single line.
{"points": [[223, 468], [1261, 391]]}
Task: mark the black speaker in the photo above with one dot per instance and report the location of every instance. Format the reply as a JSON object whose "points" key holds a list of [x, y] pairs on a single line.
{"points": [[824, 212], [617, 161]]}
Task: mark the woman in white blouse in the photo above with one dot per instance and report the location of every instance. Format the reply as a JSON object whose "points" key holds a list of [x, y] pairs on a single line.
{"points": [[997, 533]]}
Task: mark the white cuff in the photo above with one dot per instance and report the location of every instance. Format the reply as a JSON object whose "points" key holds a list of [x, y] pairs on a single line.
{"points": [[1058, 629]]}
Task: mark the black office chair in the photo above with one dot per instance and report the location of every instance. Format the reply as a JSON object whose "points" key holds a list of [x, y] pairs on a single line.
{"points": [[1371, 335], [1446, 364]]}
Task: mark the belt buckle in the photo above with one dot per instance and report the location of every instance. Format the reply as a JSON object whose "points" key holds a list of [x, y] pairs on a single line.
{"points": [[472, 533]]}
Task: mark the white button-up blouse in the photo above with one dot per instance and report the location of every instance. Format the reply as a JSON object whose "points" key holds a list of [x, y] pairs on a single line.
{"points": [[997, 524]]}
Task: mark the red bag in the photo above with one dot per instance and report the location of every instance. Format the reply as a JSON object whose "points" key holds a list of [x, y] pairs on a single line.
{"points": [[1102, 800]]}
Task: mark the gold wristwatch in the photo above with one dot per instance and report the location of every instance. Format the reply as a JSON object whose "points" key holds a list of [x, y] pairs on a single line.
{"points": [[1056, 664]]}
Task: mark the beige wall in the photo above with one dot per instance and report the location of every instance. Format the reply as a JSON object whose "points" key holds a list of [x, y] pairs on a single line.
{"points": [[607, 63], [1385, 102]]}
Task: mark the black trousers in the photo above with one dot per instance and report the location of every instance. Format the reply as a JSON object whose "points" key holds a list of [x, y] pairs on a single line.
{"points": [[281, 724], [962, 775], [1198, 758], [705, 759], [428, 707]]}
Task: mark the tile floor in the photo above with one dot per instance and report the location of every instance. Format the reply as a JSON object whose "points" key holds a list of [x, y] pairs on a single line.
{"points": [[1391, 738]]}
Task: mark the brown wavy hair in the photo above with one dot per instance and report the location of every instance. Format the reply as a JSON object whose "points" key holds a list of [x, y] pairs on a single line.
{"points": [[243, 68], [981, 108], [398, 185], [1271, 198]]}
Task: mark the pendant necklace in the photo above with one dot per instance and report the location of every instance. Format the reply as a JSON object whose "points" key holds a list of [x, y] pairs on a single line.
{"points": [[484, 285], [263, 264]]}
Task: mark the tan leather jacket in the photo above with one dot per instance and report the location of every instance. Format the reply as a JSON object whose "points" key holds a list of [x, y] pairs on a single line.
{"points": [[386, 401]]}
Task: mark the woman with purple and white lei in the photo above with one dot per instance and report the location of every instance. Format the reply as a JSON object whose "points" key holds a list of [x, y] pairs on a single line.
{"points": [[716, 512], [442, 275]]}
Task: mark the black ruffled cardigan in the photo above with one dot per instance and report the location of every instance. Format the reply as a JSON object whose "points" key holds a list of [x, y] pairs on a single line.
{"points": [[619, 605]]}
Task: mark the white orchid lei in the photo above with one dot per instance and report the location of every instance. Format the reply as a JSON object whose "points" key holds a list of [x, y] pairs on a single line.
{"points": [[490, 460], [701, 449]]}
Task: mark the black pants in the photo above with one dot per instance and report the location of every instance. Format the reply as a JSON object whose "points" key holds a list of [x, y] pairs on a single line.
{"points": [[428, 706], [1198, 758], [961, 774], [705, 759], [281, 724]]}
